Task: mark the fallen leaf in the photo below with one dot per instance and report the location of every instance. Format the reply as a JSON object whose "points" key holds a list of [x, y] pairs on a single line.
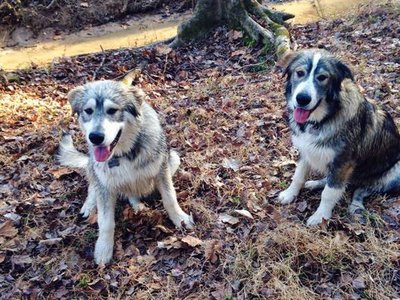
{"points": [[7, 229], [60, 172], [192, 241], [211, 250], [21, 259], [170, 242], [225, 218], [164, 229], [244, 213], [302, 206], [231, 163], [162, 49], [358, 283]]}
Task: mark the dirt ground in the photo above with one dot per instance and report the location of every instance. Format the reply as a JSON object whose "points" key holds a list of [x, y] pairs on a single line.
{"points": [[72, 15], [223, 109]]}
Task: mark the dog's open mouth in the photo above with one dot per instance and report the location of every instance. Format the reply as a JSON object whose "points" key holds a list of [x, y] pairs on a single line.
{"points": [[102, 153], [301, 115]]}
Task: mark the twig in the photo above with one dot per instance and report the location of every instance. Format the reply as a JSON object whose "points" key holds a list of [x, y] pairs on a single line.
{"points": [[101, 64], [52, 3]]}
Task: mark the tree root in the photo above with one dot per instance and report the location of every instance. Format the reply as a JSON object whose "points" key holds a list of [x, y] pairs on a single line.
{"points": [[236, 13], [275, 20], [256, 31]]}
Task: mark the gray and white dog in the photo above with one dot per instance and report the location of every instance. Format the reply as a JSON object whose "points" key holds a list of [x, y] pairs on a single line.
{"points": [[128, 155], [338, 132]]}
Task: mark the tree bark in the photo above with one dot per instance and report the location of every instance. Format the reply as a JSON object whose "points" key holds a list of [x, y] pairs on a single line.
{"points": [[242, 14]]}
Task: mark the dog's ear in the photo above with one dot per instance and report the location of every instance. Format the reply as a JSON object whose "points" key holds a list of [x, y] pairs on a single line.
{"points": [[75, 99], [344, 71], [138, 97], [285, 61]]}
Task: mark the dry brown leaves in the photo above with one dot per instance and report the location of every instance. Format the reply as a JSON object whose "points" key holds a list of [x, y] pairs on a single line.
{"points": [[229, 127]]}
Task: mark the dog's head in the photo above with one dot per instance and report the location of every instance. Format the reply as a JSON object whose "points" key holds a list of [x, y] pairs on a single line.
{"points": [[313, 84], [105, 109]]}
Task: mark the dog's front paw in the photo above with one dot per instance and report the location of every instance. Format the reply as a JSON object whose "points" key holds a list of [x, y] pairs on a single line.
{"points": [[183, 219], [103, 251], [318, 216], [287, 196], [314, 184]]}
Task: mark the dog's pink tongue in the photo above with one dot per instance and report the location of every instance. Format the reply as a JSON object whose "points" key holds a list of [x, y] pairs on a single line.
{"points": [[101, 153], [301, 115]]}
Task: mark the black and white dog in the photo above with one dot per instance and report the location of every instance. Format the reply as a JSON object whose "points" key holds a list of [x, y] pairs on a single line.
{"points": [[338, 132], [128, 155]]}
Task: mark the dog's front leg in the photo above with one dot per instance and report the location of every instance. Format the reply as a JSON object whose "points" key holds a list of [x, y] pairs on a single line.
{"points": [[90, 202], [336, 181], [106, 220], [330, 196], [302, 170], [171, 205]]}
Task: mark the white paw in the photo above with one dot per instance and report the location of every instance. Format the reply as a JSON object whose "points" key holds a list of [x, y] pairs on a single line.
{"points": [[355, 207], [317, 217], [287, 196], [182, 219], [136, 205], [103, 251], [87, 208], [314, 184]]}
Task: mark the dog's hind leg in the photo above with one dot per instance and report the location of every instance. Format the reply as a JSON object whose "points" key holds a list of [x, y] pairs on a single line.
{"points": [[106, 210], [357, 201], [315, 184], [136, 204], [90, 202], [174, 162], [171, 205]]}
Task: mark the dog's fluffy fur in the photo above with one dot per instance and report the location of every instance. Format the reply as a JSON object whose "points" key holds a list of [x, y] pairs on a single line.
{"points": [[338, 132], [128, 155]]}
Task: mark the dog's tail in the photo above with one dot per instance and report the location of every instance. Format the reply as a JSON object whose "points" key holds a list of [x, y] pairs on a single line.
{"points": [[174, 161], [69, 156]]}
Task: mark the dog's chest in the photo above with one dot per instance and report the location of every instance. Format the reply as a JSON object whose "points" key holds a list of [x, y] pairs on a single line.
{"points": [[317, 155], [124, 179]]}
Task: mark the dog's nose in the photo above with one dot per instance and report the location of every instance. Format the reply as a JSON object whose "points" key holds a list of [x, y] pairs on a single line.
{"points": [[303, 99], [96, 137]]}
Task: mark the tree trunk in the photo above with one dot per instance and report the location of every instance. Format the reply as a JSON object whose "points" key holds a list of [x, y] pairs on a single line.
{"points": [[209, 14]]}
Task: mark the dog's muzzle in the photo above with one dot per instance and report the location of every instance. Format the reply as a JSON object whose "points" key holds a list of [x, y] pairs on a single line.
{"points": [[301, 115], [103, 153]]}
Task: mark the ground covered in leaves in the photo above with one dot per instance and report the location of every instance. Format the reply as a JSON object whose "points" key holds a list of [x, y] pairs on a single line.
{"points": [[223, 109]]}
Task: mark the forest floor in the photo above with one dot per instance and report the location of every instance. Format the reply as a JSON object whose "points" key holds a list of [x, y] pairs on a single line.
{"points": [[223, 109]]}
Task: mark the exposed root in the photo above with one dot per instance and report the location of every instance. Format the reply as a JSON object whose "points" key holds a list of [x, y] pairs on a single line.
{"points": [[256, 31], [235, 13], [275, 21]]}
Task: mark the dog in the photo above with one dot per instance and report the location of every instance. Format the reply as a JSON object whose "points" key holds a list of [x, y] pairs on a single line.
{"points": [[128, 155], [338, 132]]}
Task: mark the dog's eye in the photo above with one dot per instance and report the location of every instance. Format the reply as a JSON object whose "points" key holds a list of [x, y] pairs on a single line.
{"points": [[322, 77], [300, 73], [111, 111], [89, 111]]}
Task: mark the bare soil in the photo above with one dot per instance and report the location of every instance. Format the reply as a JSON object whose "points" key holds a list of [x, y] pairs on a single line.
{"points": [[73, 15]]}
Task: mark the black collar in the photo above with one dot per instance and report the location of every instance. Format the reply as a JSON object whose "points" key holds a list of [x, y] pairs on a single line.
{"points": [[131, 155]]}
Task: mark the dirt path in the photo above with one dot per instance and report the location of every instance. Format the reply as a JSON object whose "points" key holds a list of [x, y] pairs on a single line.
{"points": [[139, 31], [133, 33]]}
